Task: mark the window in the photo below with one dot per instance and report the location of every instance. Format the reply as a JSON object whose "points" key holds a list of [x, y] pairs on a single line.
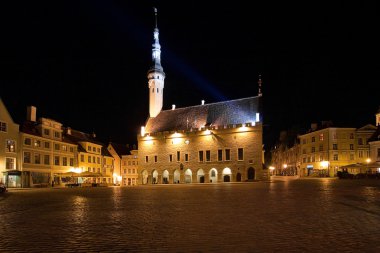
{"points": [[240, 154], [26, 157], [98, 160], [37, 143], [208, 155], [133, 171], [335, 146], [360, 141], [304, 141], [351, 146], [37, 158], [321, 158], [320, 147], [64, 161], [89, 159], [72, 149], [46, 159], [200, 156], [186, 157], [228, 154], [304, 151], [170, 158], [89, 148], [10, 163], [57, 134], [93, 149], [334, 136], [146, 159], [312, 149], [27, 141], [313, 139], [304, 160], [10, 146], [360, 154], [351, 135], [3, 126], [335, 157], [47, 144], [178, 156], [155, 158], [93, 159], [98, 150], [213, 174], [56, 146], [71, 161], [46, 132], [351, 156], [321, 137], [56, 160], [64, 147], [378, 152], [220, 155], [125, 171], [133, 163]]}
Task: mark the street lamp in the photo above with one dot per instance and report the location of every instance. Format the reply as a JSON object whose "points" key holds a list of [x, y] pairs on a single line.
{"points": [[368, 161], [325, 165], [271, 169]]}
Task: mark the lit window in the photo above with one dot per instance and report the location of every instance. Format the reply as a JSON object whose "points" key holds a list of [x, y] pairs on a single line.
{"points": [[26, 157], [10, 146], [321, 137], [64, 147], [64, 161]]}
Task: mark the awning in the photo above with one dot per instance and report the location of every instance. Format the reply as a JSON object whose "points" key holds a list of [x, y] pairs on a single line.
{"points": [[12, 172], [83, 174]]}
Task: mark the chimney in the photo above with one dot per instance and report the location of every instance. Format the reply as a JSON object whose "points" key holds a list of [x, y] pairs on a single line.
{"points": [[173, 107], [203, 102], [68, 130], [93, 135], [31, 113], [313, 126]]}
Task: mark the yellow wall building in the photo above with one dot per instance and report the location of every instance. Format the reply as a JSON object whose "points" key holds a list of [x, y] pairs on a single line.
{"points": [[129, 168]]}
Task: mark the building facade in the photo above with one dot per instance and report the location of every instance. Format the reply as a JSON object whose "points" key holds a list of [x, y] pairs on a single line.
{"points": [[218, 142], [10, 173], [130, 168]]}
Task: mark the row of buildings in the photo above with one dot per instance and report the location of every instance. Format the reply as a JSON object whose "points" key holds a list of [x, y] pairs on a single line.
{"points": [[218, 142], [324, 150], [42, 152]]}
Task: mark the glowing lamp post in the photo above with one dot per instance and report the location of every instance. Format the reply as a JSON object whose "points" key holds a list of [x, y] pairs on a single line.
{"points": [[368, 161], [325, 165], [271, 169]]}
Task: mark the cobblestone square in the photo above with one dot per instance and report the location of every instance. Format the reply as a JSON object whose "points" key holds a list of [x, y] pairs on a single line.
{"points": [[284, 215]]}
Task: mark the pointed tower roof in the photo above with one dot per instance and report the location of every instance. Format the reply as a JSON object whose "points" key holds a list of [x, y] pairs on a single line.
{"points": [[156, 49]]}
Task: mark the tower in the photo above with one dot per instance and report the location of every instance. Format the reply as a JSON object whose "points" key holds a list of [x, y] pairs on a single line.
{"points": [[156, 75]]}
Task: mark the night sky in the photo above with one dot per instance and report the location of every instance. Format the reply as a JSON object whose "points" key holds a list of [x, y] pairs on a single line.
{"points": [[84, 63]]}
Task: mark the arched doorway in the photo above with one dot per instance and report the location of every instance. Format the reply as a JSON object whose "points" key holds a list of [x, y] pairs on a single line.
{"points": [[238, 177], [226, 175], [213, 175], [188, 176], [144, 177], [165, 177], [154, 177], [251, 174], [177, 176], [200, 176]]}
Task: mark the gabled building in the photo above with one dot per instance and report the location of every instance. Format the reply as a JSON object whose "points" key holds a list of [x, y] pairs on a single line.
{"points": [[10, 166], [129, 168], [93, 158], [218, 142]]}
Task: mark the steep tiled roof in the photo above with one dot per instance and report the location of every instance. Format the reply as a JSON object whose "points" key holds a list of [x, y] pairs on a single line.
{"points": [[121, 149], [105, 152], [376, 135], [194, 117], [77, 136]]}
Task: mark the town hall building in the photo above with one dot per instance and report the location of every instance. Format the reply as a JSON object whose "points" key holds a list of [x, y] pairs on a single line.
{"points": [[205, 143]]}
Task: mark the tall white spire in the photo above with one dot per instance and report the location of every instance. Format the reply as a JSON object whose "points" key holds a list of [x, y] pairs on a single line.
{"points": [[156, 75]]}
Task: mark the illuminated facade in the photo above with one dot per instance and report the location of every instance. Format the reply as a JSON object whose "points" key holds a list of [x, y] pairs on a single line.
{"points": [[130, 169], [208, 143], [9, 149], [93, 157], [325, 151], [45, 152]]}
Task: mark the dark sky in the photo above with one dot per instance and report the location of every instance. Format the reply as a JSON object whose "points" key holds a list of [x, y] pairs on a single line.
{"points": [[84, 63]]}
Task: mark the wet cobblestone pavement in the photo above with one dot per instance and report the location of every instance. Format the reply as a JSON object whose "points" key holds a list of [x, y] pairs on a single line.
{"points": [[306, 215]]}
